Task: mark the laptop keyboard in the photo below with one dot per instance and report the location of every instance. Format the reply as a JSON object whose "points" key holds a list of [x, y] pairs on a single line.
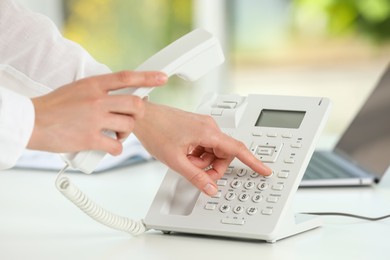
{"points": [[321, 167]]}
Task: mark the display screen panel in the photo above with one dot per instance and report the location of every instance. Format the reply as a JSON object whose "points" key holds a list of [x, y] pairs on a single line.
{"points": [[280, 118]]}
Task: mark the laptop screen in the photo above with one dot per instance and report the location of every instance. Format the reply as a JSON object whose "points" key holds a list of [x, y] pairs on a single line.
{"points": [[367, 139]]}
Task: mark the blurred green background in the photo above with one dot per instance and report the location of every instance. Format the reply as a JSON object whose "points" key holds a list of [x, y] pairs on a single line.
{"points": [[123, 33]]}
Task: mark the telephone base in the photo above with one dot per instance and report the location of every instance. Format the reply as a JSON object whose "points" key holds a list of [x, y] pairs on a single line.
{"points": [[302, 223], [297, 224]]}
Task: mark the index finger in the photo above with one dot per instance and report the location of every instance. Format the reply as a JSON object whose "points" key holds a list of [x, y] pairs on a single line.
{"points": [[238, 149], [123, 79]]}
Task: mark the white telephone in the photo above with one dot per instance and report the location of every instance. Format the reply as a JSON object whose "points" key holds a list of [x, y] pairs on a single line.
{"points": [[280, 130], [189, 57]]}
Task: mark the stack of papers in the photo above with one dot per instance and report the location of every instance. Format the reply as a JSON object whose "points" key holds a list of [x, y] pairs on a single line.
{"points": [[133, 152]]}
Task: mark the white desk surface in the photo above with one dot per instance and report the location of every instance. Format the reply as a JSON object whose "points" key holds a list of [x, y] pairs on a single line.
{"points": [[37, 222]]}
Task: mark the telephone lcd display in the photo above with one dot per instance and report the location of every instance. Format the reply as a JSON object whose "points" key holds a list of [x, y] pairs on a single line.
{"points": [[280, 118]]}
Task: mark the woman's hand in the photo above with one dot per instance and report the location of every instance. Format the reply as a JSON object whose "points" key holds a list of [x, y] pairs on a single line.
{"points": [[192, 145], [72, 118]]}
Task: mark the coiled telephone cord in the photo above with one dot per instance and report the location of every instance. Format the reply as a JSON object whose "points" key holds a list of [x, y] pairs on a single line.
{"points": [[77, 197]]}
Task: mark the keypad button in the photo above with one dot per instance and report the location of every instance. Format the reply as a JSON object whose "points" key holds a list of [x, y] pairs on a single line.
{"points": [[241, 172], [238, 209], [254, 175], [257, 133], [283, 175], [236, 184], [224, 208], [264, 151], [269, 176], [232, 221], [289, 160], [251, 210], [217, 195], [262, 186], [266, 211], [287, 135], [229, 170], [272, 134], [249, 185], [296, 145], [230, 196], [221, 182], [278, 187], [243, 197], [272, 199], [210, 206], [257, 198], [227, 104], [217, 112]]}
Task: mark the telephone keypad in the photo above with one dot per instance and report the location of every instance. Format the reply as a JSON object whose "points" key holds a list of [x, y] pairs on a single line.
{"points": [[244, 193]]}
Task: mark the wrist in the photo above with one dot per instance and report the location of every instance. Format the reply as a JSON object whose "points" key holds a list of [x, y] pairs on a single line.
{"points": [[36, 134]]}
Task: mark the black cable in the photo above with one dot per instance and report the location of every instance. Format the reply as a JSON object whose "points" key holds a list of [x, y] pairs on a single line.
{"points": [[346, 215]]}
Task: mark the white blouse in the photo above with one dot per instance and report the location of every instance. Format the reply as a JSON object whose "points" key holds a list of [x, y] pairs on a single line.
{"points": [[34, 59]]}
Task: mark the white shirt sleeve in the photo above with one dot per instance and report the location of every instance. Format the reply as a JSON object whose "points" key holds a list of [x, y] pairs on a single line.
{"points": [[16, 124], [34, 59], [31, 43]]}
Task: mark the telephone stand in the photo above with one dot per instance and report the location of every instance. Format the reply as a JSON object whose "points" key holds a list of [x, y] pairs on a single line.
{"points": [[295, 224]]}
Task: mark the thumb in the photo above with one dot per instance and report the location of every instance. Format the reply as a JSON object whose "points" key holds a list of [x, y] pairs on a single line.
{"points": [[198, 177]]}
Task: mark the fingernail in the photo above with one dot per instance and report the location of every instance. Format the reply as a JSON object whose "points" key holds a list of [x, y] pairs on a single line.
{"points": [[210, 189], [267, 169], [161, 78]]}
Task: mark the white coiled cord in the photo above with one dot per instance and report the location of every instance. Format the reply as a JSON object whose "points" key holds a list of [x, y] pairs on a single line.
{"points": [[75, 195]]}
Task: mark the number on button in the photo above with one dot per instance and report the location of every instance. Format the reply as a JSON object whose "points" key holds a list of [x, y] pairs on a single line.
{"points": [[257, 198]]}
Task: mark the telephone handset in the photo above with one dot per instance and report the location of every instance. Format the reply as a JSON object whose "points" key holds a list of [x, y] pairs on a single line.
{"points": [[190, 57], [279, 130]]}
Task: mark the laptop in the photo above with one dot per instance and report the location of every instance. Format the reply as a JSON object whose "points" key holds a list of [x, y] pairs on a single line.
{"points": [[362, 155]]}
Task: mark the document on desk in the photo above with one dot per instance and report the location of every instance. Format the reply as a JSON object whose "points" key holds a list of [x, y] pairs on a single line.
{"points": [[133, 152]]}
